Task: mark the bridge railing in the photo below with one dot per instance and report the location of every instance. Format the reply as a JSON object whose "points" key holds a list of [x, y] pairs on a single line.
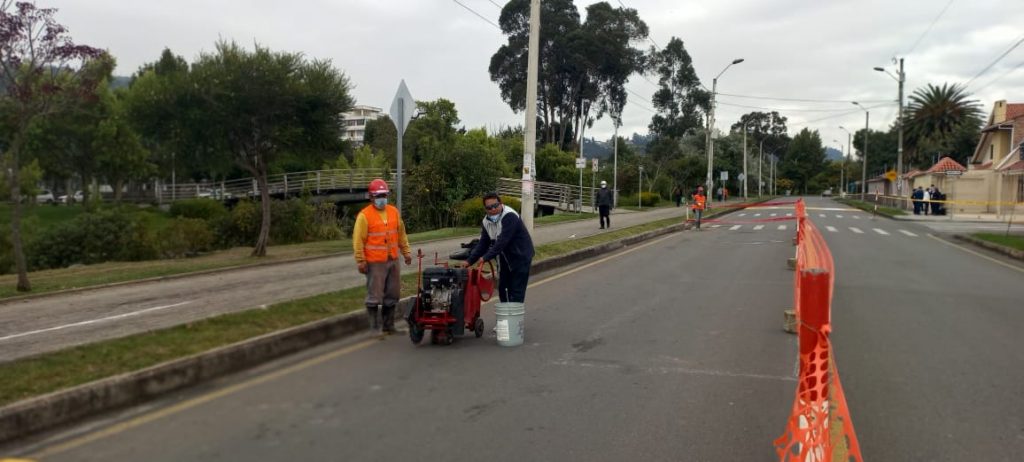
{"points": [[283, 184], [561, 195]]}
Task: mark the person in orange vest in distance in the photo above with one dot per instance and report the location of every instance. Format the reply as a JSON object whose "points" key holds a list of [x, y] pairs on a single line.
{"points": [[698, 204], [377, 238]]}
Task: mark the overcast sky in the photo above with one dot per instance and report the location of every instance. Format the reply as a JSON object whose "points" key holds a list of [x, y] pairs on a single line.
{"points": [[823, 50]]}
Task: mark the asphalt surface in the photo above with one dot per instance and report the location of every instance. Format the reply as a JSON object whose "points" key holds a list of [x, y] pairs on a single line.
{"points": [[34, 326], [669, 350]]}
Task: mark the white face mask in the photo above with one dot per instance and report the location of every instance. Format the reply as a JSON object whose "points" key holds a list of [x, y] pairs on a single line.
{"points": [[604, 186], [380, 202], [493, 218]]}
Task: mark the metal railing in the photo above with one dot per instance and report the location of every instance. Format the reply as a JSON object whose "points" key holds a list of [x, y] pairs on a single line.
{"points": [[561, 195]]}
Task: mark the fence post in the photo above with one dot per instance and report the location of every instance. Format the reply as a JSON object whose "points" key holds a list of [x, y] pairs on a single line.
{"points": [[318, 182], [286, 185]]}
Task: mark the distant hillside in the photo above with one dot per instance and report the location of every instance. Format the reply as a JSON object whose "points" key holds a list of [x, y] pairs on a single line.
{"points": [[120, 82], [833, 154]]}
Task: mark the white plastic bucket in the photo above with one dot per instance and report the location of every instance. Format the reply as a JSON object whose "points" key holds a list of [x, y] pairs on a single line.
{"points": [[510, 323]]}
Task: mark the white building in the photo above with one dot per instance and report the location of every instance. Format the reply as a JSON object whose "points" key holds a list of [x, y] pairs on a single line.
{"points": [[355, 122]]}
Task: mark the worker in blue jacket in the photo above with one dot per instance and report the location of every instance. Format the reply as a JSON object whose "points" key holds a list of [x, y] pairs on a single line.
{"points": [[503, 235]]}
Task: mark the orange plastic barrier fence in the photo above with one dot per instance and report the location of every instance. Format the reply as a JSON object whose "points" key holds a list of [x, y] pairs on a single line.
{"points": [[819, 427]]}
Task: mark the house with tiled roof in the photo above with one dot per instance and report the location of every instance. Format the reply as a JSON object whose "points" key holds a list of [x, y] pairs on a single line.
{"points": [[995, 174]]}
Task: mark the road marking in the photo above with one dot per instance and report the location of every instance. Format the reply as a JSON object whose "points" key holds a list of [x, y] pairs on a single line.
{"points": [[881, 231], [757, 214], [839, 216], [832, 229], [789, 214], [965, 249], [908, 233], [94, 321], [716, 226], [856, 217], [742, 215], [758, 227], [822, 215], [734, 228], [774, 214], [856, 230], [662, 370], [782, 227]]}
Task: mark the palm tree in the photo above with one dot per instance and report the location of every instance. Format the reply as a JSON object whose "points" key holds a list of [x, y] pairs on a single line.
{"points": [[938, 121]]}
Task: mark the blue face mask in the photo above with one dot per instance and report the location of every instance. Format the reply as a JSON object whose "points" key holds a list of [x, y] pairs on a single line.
{"points": [[493, 218], [380, 202]]}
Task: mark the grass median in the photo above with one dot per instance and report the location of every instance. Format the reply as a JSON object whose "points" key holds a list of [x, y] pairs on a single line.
{"points": [[29, 377], [1013, 241], [869, 207], [112, 272]]}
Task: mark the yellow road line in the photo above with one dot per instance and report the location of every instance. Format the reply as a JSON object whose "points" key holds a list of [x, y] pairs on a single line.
{"points": [[965, 249], [199, 400]]}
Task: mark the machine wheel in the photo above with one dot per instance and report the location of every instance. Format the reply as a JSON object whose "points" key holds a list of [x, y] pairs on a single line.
{"points": [[415, 334], [435, 337], [448, 338], [478, 328]]}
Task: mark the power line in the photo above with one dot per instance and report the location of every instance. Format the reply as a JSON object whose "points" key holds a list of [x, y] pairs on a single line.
{"points": [[477, 14], [929, 29], [641, 106], [495, 4], [782, 109], [1000, 58], [1018, 66], [854, 111], [799, 100], [648, 35]]}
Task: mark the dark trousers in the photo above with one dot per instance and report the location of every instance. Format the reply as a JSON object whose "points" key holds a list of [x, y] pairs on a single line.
{"points": [[512, 284], [917, 207], [383, 287], [606, 220], [697, 215]]}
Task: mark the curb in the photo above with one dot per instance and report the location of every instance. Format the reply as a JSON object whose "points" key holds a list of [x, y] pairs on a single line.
{"points": [[46, 412], [1008, 251]]}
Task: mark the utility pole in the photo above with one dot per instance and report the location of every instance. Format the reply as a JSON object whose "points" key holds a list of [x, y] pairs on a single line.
{"points": [[864, 159], [744, 161], [711, 130], [530, 136], [615, 167], [760, 160], [899, 149]]}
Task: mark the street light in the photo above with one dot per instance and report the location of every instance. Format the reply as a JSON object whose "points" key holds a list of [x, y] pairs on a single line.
{"points": [[849, 141], [900, 77], [711, 128], [841, 164], [864, 160]]}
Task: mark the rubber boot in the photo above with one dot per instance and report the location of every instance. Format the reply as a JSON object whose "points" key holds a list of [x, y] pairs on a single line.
{"points": [[388, 318], [371, 311]]}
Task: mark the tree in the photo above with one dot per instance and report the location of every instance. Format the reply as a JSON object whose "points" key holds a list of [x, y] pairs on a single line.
{"points": [[257, 106], [36, 80], [804, 159], [579, 62], [938, 120], [120, 154], [680, 101], [882, 148]]}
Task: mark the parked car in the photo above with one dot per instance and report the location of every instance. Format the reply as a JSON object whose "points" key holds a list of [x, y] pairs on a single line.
{"points": [[75, 198], [218, 194], [826, 193], [45, 197]]}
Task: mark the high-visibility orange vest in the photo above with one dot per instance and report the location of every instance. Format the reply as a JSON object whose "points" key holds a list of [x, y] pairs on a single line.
{"points": [[698, 202], [382, 236]]}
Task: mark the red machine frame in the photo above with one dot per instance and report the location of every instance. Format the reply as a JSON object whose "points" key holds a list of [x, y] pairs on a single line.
{"points": [[479, 288]]}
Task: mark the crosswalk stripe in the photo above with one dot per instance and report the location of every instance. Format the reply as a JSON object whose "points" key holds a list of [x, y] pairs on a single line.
{"points": [[839, 216], [774, 214], [757, 214], [716, 226], [881, 231], [743, 215], [782, 227], [758, 227], [856, 230], [908, 233], [856, 217], [734, 228], [833, 229], [822, 215]]}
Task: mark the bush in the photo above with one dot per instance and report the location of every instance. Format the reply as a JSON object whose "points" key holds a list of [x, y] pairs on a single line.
{"points": [[326, 225], [185, 237], [650, 199], [290, 221], [203, 209], [89, 238], [471, 211]]}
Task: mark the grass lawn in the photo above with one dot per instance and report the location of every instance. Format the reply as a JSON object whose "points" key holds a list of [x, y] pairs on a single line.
{"points": [[870, 207], [67, 368], [1014, 241]]}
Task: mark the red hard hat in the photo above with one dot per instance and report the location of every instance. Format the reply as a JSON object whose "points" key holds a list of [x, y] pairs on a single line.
{"points": [[378, 186]]}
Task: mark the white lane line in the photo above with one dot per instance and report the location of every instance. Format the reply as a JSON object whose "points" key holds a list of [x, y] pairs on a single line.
{"points": [[856, 230], [757, 214], [881, 231], [774, 214], [742, 215], [782, 227], [856, 217], [758, 227], [94, 321], [789, 214], [832, 229], [822, 215], [734, 228], [839, 216], [716, 226], [908, 233]]}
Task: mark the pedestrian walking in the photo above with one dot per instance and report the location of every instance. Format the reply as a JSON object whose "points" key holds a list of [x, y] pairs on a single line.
{"points": [[926, 197], [504, 236], [699, 201], [378, 237], [677, 195], [604, 204]]}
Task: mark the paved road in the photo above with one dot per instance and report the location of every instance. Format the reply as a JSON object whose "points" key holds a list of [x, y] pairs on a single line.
{"points": [[35, 326], [656, 353]]}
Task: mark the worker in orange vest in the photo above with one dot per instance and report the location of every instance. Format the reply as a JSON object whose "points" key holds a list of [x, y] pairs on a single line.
{"points": [[377, 239], [699, 201]]}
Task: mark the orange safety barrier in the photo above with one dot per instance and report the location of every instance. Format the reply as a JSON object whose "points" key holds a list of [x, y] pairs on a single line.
{"points": [[819, 426]]}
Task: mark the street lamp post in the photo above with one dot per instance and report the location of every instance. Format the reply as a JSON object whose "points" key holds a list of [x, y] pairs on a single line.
{"points": [[760, 160], [711, 129], [849, 141], [900, 77], [864, 160], [640, 189], [840, 164]]}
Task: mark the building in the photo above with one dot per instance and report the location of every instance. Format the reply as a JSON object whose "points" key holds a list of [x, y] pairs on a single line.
{"points": [[355, 122], [994, 181]]}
